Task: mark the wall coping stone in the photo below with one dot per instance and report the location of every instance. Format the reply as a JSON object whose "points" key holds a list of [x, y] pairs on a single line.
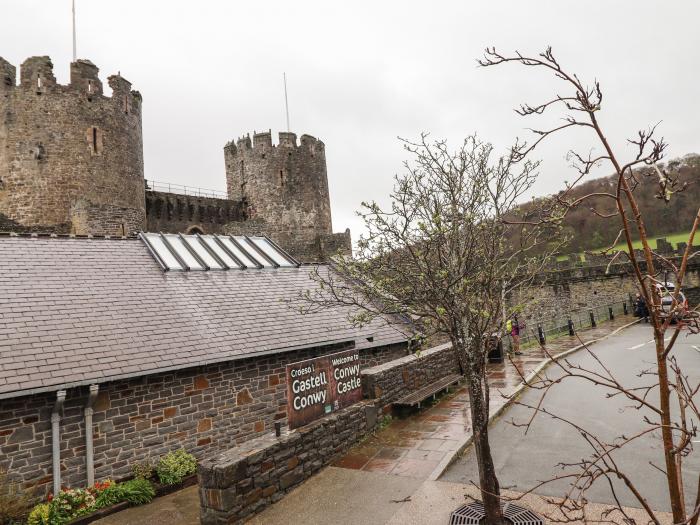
{"points": [[406, 360]]}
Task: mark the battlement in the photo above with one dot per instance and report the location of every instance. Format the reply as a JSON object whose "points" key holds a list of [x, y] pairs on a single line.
{"points": [[8, 74], [83, 77], [36, 76], [285, 184], [262, 142]]}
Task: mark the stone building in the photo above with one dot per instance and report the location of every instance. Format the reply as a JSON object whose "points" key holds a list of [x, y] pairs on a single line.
{"points": [[71, 161], [102, 350]]}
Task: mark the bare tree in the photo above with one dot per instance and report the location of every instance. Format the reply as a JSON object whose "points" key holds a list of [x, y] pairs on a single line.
{"points": [[444, 256], [582, 105]]}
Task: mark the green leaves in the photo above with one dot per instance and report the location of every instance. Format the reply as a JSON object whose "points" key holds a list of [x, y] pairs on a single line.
{"points": [[175, 466]]}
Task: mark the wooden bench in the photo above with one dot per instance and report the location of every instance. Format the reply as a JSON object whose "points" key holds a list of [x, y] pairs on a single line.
{"points": [[414, 399]]}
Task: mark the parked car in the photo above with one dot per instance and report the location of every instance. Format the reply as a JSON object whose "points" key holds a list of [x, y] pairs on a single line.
{"points": [[666, 292]]}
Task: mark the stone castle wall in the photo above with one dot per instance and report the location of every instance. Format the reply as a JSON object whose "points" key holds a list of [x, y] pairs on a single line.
{"points": [[285, 185], [202, 409], [63, 144], [71, 161], [175, 213]]}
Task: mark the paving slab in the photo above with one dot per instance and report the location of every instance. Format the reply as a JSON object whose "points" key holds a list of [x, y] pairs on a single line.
{"points": [[178, 508], [342, 497]]}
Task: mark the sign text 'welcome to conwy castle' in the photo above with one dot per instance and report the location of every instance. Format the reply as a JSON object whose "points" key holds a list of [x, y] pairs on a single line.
{"points": [[319, 386]]}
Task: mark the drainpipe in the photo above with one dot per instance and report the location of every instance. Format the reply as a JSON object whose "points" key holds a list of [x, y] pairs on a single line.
{"points": [[89, 455], [56, 439]]}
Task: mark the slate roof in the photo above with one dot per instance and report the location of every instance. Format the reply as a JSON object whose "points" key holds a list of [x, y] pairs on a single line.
{"points": [[75, 311]]}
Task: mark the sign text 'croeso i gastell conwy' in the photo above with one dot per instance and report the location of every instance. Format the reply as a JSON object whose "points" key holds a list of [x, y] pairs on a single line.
{"points": [[319, 386]]}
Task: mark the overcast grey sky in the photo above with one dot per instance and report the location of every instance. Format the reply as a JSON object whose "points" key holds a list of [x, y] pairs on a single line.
{"points": [[360, 73]]}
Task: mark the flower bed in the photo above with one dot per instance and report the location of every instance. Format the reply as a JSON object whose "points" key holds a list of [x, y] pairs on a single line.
{"points": [[175, 470]]}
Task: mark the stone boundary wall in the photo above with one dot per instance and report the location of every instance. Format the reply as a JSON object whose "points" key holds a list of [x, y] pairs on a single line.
{"points": [[392, 380], [244, 480]]}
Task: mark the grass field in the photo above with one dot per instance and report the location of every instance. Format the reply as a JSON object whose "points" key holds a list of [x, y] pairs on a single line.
{"points": [[673, 238]]}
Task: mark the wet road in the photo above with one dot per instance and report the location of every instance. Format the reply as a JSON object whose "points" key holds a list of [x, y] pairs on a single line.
{"points": [[524, 459]]}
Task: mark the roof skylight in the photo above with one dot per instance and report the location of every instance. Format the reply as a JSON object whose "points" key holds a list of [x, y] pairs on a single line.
{"points": [[177, 252]]}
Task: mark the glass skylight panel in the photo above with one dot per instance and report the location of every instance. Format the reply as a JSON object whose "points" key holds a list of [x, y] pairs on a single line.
{"points": [[179, 246], [272, 252], [202, 252], [162, 251], [235, 250], [250, 248], [218, 250]]}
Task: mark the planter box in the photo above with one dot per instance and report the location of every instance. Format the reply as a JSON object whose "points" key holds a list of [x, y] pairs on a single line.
{"points": [[161, 490]]}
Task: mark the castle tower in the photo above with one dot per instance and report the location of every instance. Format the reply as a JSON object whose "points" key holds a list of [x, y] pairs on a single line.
{"points": [[284, 185], [71, 159]]}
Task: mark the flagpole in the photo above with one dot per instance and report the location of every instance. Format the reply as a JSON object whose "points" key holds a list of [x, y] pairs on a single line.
{"points": [[75, 54], [286, 103]]}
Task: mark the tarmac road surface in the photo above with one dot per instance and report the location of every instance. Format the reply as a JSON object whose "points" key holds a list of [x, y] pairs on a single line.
{"points": [[524, 459]]}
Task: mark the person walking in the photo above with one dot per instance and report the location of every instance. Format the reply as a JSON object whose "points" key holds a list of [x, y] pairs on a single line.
{"points": [[513, 327], [640, 308]]}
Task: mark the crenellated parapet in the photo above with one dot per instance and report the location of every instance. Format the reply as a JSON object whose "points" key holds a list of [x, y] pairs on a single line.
{"points": [[60, 144]]}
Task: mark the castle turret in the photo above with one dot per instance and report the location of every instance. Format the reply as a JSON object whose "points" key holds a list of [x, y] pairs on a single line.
{"points": [[71, 159], [284, 185]]}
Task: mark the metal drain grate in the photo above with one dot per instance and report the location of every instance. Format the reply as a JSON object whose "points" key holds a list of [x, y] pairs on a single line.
{"points": [[473, 514], [520, 515], [470, 514]]}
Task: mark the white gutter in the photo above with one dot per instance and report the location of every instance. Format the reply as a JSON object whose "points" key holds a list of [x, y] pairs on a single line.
{"points": [[56, 439], [89, 455]]}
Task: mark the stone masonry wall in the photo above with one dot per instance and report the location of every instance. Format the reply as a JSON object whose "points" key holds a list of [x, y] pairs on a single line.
{"points": [[175, 213], [387, 382], [243, 480], [201, 409], [561, 292], [105, 219], [60, 144], [304, 249], [285, 185]]}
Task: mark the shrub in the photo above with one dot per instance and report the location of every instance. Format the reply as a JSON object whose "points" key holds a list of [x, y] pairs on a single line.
{"points": [[175, 466], [143, 469], [14, 502], [109, 496], [137, 491], [39, 515]]}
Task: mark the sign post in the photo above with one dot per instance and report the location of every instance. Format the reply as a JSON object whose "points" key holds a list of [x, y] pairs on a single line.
{"points": [[322, 385]]}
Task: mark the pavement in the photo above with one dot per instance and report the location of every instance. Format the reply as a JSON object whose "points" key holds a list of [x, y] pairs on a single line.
{"points": [[342, 497], [390, 477], [522, 460], [178, 508], [423, 445]]}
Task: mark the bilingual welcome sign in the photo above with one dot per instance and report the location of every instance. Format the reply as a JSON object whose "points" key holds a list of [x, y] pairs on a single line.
{"points": [[322, 385]]}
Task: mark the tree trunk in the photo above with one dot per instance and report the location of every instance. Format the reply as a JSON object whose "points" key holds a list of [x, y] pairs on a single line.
{"points": [[672, 474], [488, 482]]}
